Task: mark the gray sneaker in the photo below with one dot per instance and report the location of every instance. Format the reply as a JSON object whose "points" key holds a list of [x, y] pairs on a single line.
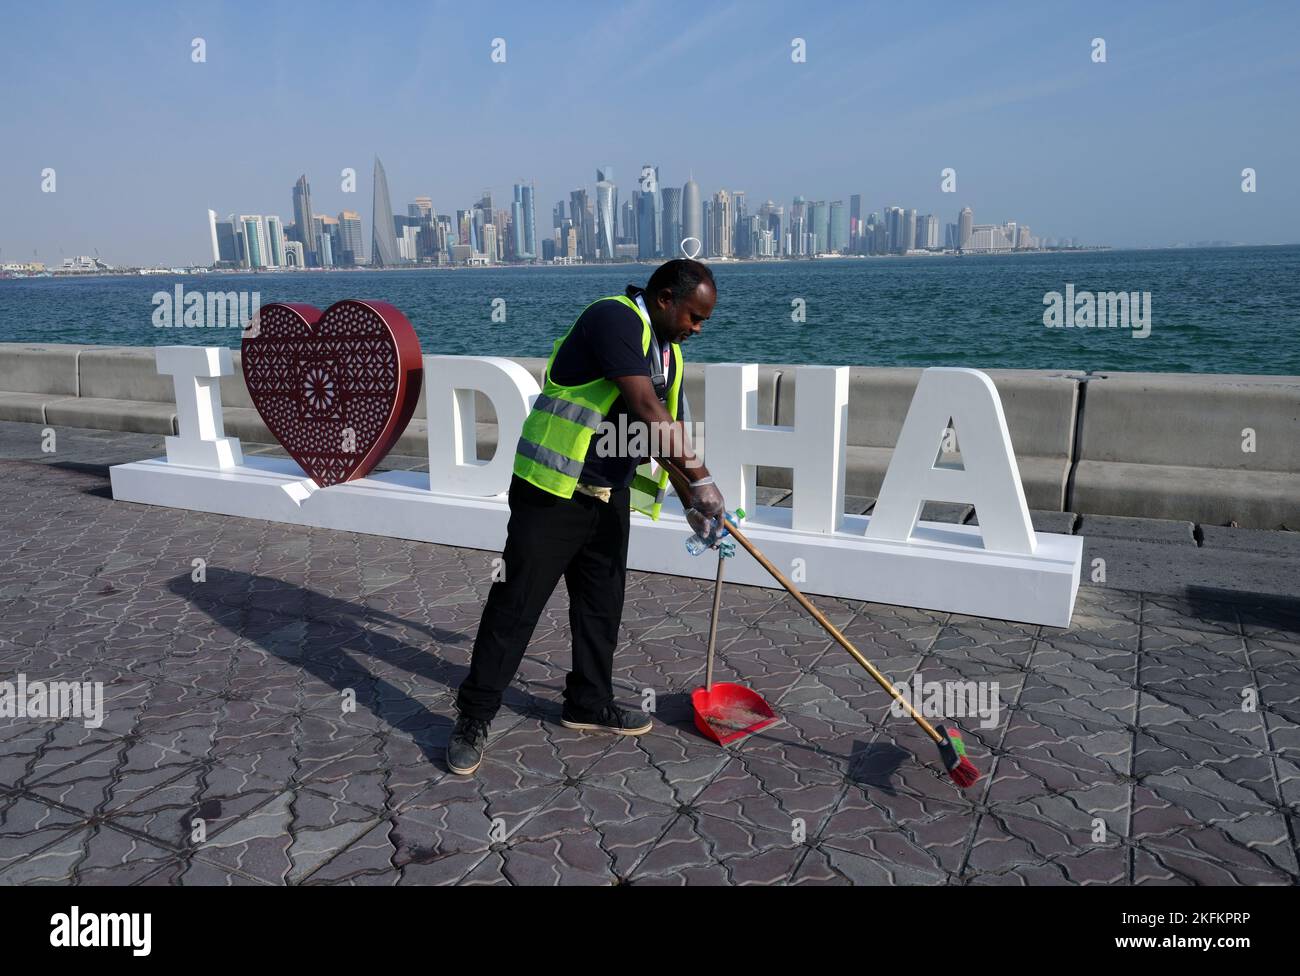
{"points": [[465, 747], [612, 718]]}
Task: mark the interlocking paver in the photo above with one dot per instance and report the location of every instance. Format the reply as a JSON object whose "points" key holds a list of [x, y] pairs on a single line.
{"points": [[96, 854], [279, 712]]}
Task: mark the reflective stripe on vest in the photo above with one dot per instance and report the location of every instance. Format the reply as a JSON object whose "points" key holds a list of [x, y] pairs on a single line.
{"points": [[548, 458], [575, 412], [557, 433]]}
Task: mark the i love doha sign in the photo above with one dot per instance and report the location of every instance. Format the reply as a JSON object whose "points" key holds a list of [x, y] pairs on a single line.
{"points": [[338, 387]]}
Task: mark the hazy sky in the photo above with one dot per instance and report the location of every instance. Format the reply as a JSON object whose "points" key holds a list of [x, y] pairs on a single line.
{"points": [[1145, 149]]}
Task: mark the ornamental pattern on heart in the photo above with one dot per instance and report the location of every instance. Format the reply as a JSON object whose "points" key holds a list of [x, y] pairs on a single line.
{"points": [[327, 389]]}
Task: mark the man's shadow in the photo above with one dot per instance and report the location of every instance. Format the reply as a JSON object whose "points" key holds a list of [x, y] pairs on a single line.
{"points": [[260, 609]]}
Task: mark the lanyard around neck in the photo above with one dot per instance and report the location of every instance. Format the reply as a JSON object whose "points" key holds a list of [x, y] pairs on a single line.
{"points": [[660, 355]]}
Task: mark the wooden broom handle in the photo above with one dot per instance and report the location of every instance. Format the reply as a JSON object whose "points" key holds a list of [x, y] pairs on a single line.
{"points": [[681, 484]]}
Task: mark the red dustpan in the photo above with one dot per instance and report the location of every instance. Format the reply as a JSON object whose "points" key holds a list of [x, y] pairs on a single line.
{"points": [[725, 712]]}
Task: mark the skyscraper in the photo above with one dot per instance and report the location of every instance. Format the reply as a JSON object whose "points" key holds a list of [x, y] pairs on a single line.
{"points": [[479, 220], [894, 218], [965, 223], [383, 240], [212, 234], [589, 232], [872, 225], [530, 220], [518, 247], [326, 236], [649, 217], [797, 230], [837, 241], [628, 209], [818, 227], [465, 230], [275, 242], [524, 218], [774, 223], [661, 248], [758, 237], [422, 211], [579, 211], [692, 216], [255, 249], [408, 244], [350, 240], [302, 220], [927, 232], [671, 234], [721, 230], [501, 221], [445, 234], [225, 249], [606, 213]]}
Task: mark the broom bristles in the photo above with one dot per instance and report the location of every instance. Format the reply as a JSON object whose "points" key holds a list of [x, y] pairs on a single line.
{"points": [[964, 774], [953, 752]]}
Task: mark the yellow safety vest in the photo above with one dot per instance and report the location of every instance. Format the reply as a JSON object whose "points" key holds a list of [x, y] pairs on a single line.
{"points": [[558, 430]]}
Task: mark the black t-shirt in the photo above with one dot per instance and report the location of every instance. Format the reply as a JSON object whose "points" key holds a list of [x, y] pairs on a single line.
{"points": [[606, 342]]}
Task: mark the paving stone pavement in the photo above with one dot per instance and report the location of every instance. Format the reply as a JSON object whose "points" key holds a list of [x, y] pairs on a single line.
{"points": [[228, 753]]}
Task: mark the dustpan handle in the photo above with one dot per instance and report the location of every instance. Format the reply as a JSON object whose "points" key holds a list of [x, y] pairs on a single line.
{"points": [[713, 623]]}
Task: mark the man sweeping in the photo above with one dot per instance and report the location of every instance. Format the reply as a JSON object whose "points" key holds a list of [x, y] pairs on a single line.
{"points": [[578, 474]]}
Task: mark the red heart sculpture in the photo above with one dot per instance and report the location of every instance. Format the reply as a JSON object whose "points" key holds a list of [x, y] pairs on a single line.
{"points": [[336, 388]]}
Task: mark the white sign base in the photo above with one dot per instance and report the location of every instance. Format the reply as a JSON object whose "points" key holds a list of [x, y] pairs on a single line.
{"points": [[943, 567]]}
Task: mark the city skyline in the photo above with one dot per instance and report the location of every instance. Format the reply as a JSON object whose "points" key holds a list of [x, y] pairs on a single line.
{"points": [[656, 223], [1144, 149]]}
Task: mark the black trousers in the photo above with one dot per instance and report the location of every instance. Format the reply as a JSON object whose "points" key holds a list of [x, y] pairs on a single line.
{"points": [[582, 539]]}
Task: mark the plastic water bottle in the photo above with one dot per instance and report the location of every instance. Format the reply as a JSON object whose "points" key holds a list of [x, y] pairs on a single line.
{"points": [[697, 543]]}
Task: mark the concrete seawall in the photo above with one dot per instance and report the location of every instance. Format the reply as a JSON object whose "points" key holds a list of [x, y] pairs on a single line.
{"points": [[1198, 447]]}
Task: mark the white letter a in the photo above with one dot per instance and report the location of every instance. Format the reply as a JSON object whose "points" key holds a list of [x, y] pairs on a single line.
{"points": [[988, 479]]}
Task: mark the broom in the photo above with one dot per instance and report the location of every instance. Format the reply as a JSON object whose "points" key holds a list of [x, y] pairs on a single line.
{"points": [[952, 748]]}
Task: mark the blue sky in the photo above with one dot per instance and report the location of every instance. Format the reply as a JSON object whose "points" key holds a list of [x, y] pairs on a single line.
{"points": [[1143, 150]]}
